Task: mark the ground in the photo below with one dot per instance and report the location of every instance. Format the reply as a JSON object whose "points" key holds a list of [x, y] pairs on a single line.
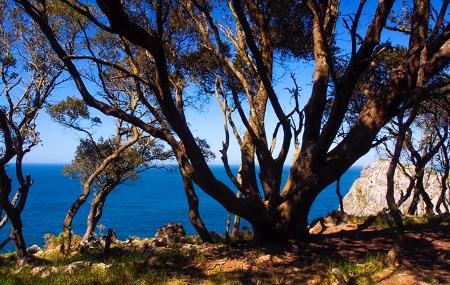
{"points": [[359, 254]]}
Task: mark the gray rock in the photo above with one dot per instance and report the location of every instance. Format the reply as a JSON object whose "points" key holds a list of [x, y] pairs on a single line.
{"points": [[367, 196], [43, 271], [170, 234], [334, 219], [75, 266], [100, 266]]}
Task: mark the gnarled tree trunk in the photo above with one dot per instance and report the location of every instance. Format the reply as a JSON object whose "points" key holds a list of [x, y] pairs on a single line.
{"points": [[96, 211], [444, 181], [16, 234]]}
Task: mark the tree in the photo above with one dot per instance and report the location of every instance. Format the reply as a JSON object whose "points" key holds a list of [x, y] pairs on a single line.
{"points": [[29, 75], [444, 163], [101, 165], [178, 42], [434, 124]]}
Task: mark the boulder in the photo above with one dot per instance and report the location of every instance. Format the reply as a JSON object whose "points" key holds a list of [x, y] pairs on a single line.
{"points": [[367, 196], [33, 249], [333, 221], [92, 246], [75, 266], [172, 233], [100, 266]]}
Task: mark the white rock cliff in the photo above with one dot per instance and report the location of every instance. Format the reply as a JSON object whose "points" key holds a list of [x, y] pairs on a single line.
{"points": [[367, 196]]}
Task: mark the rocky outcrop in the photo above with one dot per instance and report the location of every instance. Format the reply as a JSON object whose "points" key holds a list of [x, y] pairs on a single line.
{"points": [[170, 234], [333, 222], [367, 196]]}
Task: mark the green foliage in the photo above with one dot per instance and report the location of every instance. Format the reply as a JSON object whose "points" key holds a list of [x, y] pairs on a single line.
{"points": [[70, 112], [89, 155], [291, 28]]}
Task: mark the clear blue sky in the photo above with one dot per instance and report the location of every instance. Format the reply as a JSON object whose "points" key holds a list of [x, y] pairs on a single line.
{"points": [[58, 144]]}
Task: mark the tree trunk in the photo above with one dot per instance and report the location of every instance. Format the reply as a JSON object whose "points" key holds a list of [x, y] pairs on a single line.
{"points": [[236, 227], [415, 201], [67, 225], [444, 181], [405, 197], [390, 199], [13, 214], [96, 212], [227, 226], [338, 193], [420, 192], [236, 222], [194, 215], [290, 223]]}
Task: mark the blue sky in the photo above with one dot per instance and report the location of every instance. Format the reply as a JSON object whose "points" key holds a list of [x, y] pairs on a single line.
{"points": [[58, 144]]}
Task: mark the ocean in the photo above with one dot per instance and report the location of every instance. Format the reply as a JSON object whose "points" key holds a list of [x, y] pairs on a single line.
{"points": [[137, 207]]}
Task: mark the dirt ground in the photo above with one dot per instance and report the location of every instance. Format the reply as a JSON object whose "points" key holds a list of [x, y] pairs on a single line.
{"points": [[426, 259]]}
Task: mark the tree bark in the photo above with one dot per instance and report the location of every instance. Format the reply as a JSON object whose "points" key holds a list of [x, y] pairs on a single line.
{"points": [[194, 215], [405, 197], [444, 181], [390, 199], [96, 212], [236, 223], [13, 213], [338, 193], [419, 191], [67, 225]]}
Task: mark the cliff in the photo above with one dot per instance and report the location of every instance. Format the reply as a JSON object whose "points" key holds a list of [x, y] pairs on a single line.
{"points": [[367, 196]]}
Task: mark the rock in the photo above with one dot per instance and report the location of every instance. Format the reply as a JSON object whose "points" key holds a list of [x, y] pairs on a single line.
{"points": [[170, 234], [317, 227], [131, 242], [264, 258], [335, 218], [75, 266], [92, 246], [333, 222], [367, 196], [33, 249], [18, 270], [100, 266], [37, 270], [42, 271], [143, 247]]}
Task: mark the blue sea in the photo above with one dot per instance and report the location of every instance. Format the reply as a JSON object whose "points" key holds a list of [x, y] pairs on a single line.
{"points": [[136, 208]]}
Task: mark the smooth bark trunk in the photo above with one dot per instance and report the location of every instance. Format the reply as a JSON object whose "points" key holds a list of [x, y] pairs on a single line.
{"points": [[67, 225], [194, 215], [95, 212], [236, 223], [390, 199]]}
